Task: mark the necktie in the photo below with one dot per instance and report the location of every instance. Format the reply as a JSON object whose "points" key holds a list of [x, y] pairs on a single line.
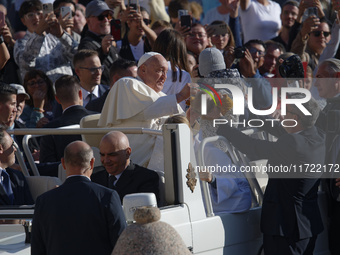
{"points": [[112, 179], [90, 97], [6, 183]]}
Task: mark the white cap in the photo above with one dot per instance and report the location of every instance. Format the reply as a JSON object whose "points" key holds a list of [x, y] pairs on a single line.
{"points": [[20, 90], [146, 56]]}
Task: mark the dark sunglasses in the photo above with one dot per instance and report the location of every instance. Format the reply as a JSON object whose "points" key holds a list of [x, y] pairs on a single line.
{"points": [[147, 21], [101, 17], [318, 33]]}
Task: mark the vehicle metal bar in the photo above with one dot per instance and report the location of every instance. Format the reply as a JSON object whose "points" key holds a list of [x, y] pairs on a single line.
{"points": [[36, 132], [21, 160], [73, 131]]}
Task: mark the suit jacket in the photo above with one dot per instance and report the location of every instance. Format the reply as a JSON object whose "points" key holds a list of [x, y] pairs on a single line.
{"points": [[97, 104], [333, 104], [134, 179], [103, 89], [52, 146], [22, 194], [290, 207], [333, 153], [79, 217]]}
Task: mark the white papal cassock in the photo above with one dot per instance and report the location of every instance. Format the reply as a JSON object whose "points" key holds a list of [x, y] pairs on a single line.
{"points": [[131, 103]]}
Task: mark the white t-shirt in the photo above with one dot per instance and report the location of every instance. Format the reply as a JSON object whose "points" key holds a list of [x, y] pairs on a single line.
{"points": [[260, 22], [137, 51], [172, 88], [213, 15]]}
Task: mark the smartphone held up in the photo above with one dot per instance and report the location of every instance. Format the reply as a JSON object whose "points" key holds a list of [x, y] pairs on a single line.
{"points": [[184, 18], [66, 12], [47, 8]]}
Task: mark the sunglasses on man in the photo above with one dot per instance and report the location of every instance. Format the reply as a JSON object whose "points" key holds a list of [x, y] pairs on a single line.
{"points": [[101, 17], [318, 33]]}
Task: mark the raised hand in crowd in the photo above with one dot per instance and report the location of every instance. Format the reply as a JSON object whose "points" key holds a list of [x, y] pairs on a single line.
{"points": [[66, 23], [182, 29], [116, 3], [229, 56], [137, 16], [318, 5], [233, 7], [49, 24], [54, 26], [43, 25], [309, 25], [38, 97], [247, 66], [128, 13], [7, 35], [107, 42]]}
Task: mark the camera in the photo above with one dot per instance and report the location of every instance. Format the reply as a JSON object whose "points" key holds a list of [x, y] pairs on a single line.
{"points": [[239, 52], [292, 68]]}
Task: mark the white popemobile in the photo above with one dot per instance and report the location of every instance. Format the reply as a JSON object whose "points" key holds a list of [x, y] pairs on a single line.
{"points": [[185, 201]]}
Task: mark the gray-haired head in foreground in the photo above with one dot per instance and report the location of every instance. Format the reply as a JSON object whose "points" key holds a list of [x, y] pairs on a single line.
{"points": [[332, 65]]}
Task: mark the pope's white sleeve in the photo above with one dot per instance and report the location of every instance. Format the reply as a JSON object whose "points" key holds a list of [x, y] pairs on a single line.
{"points": [[163, 106]]}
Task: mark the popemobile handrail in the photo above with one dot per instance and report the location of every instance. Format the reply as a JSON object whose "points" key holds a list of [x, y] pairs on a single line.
{"points": [[68, 130], [78, 131]]}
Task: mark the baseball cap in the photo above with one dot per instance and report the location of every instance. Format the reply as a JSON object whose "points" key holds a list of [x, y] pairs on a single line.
{"points": [[95, 8], [146, 56], [20, 90]]}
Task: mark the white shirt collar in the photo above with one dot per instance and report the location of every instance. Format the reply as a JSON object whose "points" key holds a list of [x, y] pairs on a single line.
{"points": [[117, 177], [95, 92]]}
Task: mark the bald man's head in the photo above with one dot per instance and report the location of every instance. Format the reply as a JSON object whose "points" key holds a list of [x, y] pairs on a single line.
{"points": [[78, 159], [115, 152]]}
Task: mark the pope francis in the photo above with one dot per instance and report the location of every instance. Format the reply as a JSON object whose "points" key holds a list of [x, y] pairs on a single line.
{"points": [[139, 102]]}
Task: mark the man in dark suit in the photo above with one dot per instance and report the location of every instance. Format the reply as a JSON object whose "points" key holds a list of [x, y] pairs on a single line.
{"points": [[327, 83], [120, 173], [119, 69], [79, 217], [13, 186], [89, 70], [290, 218], [69, 95]]}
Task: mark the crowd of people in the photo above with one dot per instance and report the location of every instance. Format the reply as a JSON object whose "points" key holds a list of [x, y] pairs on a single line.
{"points": [[134, 65]]}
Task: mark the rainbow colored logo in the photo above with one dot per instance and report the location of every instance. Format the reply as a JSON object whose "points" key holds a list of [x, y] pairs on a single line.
{"points": [[211, 94]]}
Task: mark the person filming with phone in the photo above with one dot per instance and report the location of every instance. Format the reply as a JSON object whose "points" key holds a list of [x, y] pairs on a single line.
{"points": [[98, 16], [139, 38], [64, 10], [315, 34], [46, 46]]}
